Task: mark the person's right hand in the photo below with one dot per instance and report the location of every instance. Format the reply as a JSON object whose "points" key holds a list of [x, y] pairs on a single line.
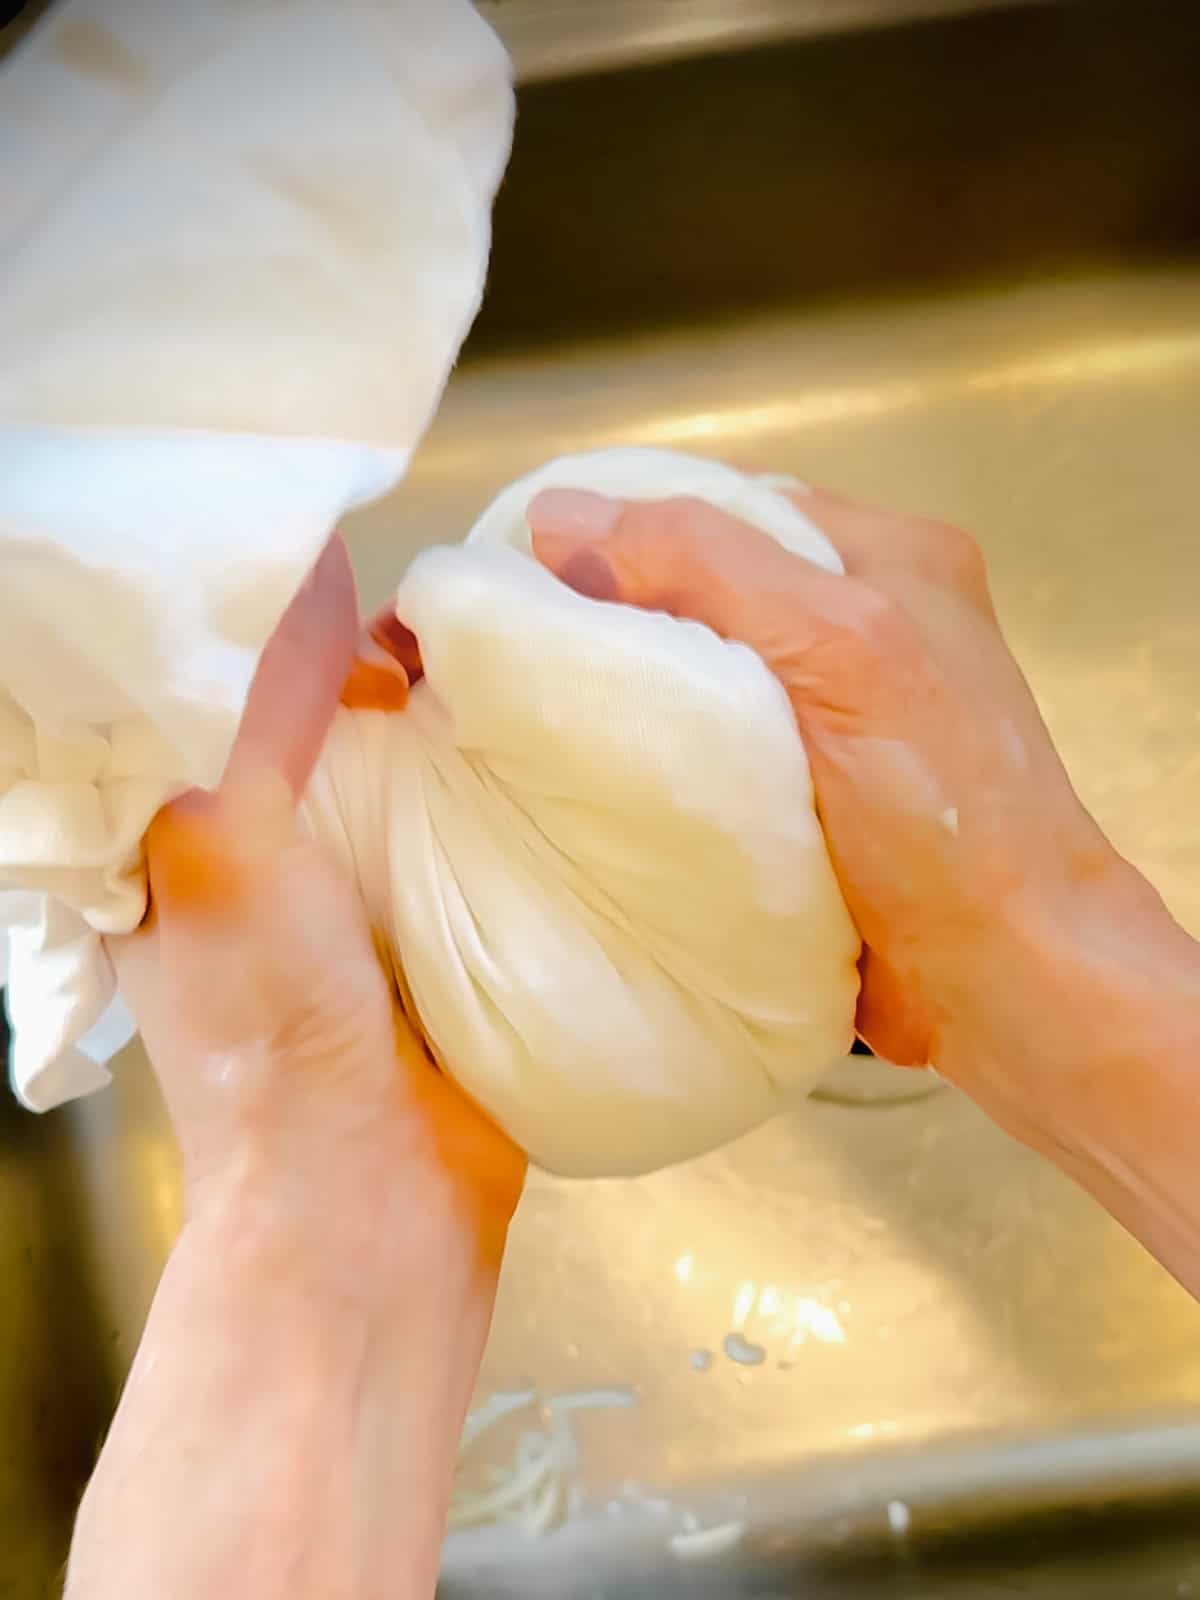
{"points": [[996, 918]]}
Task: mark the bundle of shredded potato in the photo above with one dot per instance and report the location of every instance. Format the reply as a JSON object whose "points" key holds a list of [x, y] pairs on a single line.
{"points": [[532, 1490]]}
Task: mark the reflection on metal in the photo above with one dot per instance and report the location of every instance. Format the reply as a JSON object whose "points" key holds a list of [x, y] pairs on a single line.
{"points": [[557, 38], [805, 383], [1130, 361], [947, 1325]]}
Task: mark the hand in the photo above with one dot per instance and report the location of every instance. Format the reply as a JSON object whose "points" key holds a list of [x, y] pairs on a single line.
{"points": [[291, 1419], [995, 915], [289, 1071]]}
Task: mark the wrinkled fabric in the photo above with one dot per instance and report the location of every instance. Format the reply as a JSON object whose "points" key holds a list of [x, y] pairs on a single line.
{"points": [[240, 247], [591, 846]]}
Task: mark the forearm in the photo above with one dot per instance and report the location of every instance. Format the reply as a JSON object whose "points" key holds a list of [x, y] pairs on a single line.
{"points": [[287, 1431], [1133, 1136], [1095, 1058]]}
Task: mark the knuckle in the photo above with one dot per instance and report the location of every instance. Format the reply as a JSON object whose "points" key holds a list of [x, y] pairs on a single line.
{"points": [[877, 623], [669, 544], [953, 557], [683, 522]]}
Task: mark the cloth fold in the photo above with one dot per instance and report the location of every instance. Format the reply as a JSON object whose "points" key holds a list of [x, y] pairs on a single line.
{"points": [[241, 246], [239, 250], [591, 845]]}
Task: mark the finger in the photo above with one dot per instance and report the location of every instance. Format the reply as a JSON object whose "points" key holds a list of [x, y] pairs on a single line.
{"points": [[299, 678], [399, 642], [198, 847], [895, 1025], [684, 557], [376, 682], [890, 550], [866, 538]]}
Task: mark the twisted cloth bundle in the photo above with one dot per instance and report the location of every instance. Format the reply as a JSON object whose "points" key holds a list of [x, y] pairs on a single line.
{"points": [[589, 841]]}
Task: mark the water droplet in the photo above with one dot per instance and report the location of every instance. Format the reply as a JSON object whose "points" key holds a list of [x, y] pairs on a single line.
{"points": [[742, 1351], [899, 1517]]}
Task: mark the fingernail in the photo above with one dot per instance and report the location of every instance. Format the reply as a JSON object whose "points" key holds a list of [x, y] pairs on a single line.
{"points": [[577, 561], [578, 512]]}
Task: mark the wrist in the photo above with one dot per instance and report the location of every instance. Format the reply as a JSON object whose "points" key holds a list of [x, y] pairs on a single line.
{"points": [[291, 1418], [1083, 979], [384, 1308], [353, 1231], [1120, 1095]]}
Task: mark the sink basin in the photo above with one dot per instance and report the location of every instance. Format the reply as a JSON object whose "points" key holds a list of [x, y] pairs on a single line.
{"points": [[874, 1348]]}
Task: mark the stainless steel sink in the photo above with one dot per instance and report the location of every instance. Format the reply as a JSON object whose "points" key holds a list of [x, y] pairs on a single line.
{"points": [[952, 265]]}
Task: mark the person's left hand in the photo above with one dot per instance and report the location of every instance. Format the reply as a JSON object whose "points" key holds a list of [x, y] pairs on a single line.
{"points": [[292, 1078]]}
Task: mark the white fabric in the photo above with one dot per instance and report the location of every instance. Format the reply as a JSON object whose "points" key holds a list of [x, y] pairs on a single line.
{"points": [[240, 246], [591, 844]]}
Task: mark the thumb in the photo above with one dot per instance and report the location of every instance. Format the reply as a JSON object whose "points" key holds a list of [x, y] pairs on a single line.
{"points": [[687, 558], [299, 679], [202, 848]]}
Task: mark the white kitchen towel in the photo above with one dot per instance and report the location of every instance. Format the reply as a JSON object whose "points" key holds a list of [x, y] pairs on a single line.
{"points": [[240, 246], [591, 843]]}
